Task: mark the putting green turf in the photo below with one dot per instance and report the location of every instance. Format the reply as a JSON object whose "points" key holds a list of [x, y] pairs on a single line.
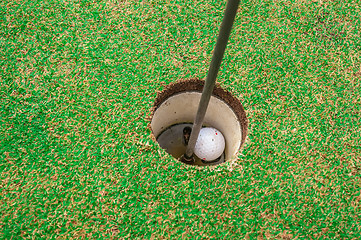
{"points": [[78, 79]]}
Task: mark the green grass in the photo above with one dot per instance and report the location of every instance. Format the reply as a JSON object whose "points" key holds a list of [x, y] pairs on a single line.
{"points": [[78, 79]]}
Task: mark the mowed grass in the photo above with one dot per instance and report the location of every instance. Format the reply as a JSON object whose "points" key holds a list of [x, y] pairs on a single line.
{"points": [[78, 79]]}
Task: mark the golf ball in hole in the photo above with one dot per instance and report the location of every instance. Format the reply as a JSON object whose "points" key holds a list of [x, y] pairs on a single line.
{"points": [[210, 144]]}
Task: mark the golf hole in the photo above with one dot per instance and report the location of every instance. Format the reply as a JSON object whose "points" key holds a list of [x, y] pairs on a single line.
{"points": [[173, 114]]}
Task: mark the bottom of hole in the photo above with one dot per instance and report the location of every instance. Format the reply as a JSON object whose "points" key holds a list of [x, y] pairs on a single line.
{"points": [[174, 141]]}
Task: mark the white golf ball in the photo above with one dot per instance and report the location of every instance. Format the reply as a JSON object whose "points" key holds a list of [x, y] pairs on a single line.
{"points": [[210, 144]]}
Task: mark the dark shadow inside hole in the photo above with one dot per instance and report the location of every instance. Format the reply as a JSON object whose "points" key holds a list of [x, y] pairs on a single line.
{"points": [[174, 140]]}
